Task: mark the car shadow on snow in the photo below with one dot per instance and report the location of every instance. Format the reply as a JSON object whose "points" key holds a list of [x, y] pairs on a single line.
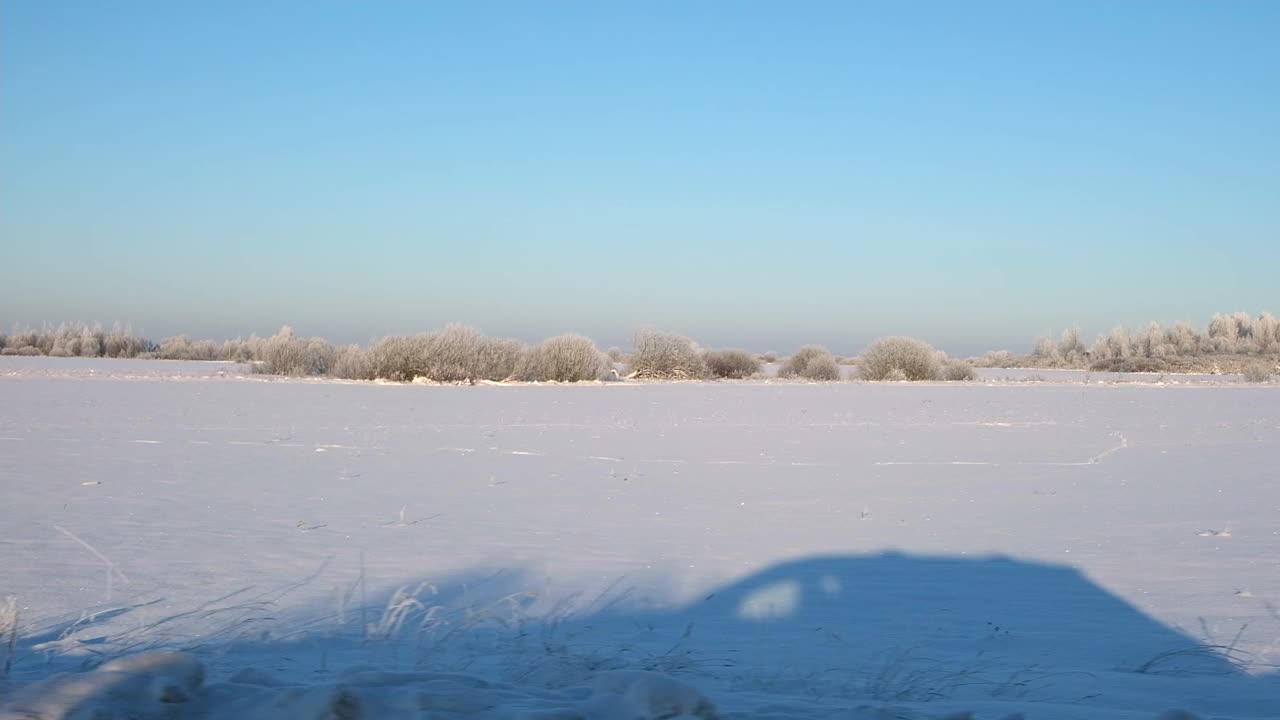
{"points": [[855, 629]]}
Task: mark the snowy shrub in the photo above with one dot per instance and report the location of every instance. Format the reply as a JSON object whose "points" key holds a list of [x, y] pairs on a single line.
{"points": [[21, 338], [44, 341], [1046, 350], [616, 355], [733, 364], [811, 362], [242, 351], [1266, 334], [27, 350], [895, 375], [181, 347], [121, 342], [458, 353], [997, 359], [91, 342], [666, 356], [498, 358], [1115, 345], [1186, 339], [958, 370], [398, 358], [452, 355], [285, 354], [1257, 372], [915, 359], [60, 349], [320, 355], [1069, 346], [769, 357], [564, 358], [352, 363]]}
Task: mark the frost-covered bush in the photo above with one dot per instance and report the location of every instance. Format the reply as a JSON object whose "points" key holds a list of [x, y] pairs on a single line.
{"points": [[498, 358], [181, 347], [564, 358], [1046, 350], [665, 355], [997, 359], [915, 359], [352, 363], [91, 342], [1266, 334], [769, 357], [243, 351], [1257, 372], [64, 348], [121, 342], [811, 362], [958, 370], [287, 354], [1070, 348], [731, 364], [458, 353], [21, 338], [398, 358], [452, 355]]}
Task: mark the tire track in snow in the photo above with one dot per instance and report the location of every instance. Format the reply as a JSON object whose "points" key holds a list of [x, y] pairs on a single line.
{"points": [[1095, 460]]}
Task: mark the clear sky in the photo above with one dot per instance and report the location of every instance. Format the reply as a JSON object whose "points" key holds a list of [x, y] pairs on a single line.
{"points": [[759, 174]]}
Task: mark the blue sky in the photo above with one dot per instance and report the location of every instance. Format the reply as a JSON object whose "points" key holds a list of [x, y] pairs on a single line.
{"points": [[758, 174]]}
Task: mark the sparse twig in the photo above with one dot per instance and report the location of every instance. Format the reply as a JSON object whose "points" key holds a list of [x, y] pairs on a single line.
{"points": [[1227, 654]]}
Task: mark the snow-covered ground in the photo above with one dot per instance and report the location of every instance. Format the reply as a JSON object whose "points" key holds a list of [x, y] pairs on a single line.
{"points": [[337, 550]]}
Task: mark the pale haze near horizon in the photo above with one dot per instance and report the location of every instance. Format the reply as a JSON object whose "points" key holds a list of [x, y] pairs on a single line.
{"points": [[751, 174]]}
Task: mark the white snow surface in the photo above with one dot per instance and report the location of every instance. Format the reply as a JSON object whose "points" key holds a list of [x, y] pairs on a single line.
{"points": [[191, 540]]}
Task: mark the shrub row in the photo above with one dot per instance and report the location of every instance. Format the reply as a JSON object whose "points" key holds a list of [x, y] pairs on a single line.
{"points": [[75, 340], [462, 354], [1123, 349]]}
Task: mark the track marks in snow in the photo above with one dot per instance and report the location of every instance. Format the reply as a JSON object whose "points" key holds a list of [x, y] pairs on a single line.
{"points": [[1124, 443], [771, 463], [1095, 460]]}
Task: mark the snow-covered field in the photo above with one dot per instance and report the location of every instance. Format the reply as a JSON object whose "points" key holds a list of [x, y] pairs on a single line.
{"points": [[780, 550]]}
